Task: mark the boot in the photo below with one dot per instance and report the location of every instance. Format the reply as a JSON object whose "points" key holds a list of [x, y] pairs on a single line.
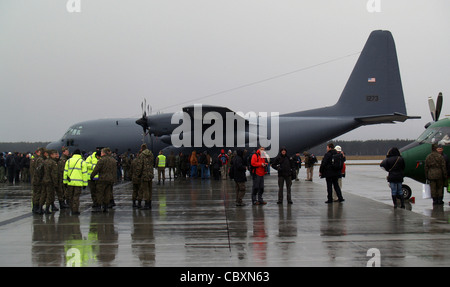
{"points": [[40, 209], [134, 204], [105, 208], [54, 208], [402, 201], [440, 200], [394, 200], [35, 209], [62, 204], [47, 209], [139, 205], [147, 205], [435, 201]]}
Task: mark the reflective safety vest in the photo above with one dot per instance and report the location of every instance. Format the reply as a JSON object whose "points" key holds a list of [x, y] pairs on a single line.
{"points": [[75, 171], [91, 162], [161, 160]]}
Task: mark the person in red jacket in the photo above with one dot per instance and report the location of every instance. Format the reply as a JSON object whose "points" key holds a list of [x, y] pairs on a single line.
{"points": [[259, 164]]}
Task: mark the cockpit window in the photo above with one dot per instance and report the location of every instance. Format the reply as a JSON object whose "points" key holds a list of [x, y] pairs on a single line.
{"points": [[74, 131], [439, 135]]}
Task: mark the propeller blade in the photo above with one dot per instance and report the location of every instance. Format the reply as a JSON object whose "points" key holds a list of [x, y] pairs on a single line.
{"points": [[143, 121], [438, 106], [432, 108]]}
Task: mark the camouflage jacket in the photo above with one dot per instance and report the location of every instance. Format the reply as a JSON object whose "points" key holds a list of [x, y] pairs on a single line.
{"points": [[106, 168], [134, 179], [435, 166], [50, 172], [61, 165], [37, 169], [144, 167], [171, 160]]}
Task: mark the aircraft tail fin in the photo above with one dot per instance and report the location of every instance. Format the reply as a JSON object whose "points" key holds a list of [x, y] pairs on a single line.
{"points": [[374, 87]]}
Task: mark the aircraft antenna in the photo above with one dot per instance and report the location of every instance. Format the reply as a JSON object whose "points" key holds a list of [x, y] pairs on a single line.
{"points": [[261, 81]]}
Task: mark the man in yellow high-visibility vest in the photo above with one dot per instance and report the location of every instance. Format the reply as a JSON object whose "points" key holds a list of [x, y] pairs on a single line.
{"points": [[75, 176], [161, 165], [91, 162]]}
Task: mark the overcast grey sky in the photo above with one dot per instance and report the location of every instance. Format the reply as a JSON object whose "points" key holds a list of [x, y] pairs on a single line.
{"points": [[58, 68]]}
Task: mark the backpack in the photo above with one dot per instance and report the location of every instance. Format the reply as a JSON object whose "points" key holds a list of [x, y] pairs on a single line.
{"points": [[337, 161], [252, 168], [223, 158], [312, 159]]}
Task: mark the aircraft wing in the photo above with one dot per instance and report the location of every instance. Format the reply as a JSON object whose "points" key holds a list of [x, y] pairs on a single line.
{"points": [[382, 119]]}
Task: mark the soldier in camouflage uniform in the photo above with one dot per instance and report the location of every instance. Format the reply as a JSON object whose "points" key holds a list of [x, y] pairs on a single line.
{"points": [[136, 183], [144, 171], [36, 173], [171, 164], [436, 173], [61, 191], [126, 165], [49, 183], [106, 168]]}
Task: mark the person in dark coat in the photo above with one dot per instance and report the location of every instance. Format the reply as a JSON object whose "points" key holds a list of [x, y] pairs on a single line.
{"points": [[331, 174], [216, 164], [395, 166], [286, 169], [13, 166], [239, 168]]}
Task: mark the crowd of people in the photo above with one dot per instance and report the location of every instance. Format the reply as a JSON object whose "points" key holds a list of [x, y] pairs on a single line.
{"points": [[15, 167], [60, 177], [64, 177]]}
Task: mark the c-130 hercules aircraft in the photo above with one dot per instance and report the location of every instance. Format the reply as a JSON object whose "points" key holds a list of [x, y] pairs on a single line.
{"points": [[372, 95]]}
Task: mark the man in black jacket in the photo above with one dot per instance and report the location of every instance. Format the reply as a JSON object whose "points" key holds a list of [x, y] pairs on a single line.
{"points": [[286, 169], [239, 168], [331, 172]]}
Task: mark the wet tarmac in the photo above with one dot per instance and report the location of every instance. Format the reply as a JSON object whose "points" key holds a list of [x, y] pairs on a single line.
{"points": [[195, 223]]}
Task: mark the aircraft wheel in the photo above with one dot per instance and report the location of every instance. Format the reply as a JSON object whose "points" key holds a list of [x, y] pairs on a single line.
{"points": [[407, 192]]}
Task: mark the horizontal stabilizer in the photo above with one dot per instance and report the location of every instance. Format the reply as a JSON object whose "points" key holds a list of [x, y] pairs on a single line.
{"points": [[381, 119]]}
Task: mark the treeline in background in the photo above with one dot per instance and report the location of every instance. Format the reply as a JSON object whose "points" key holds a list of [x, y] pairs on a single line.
{"points": [[363, 148], [22, 147], [357, 148]]}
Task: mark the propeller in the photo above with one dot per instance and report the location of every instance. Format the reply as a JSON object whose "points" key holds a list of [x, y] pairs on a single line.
{"points": [[439, 106], [432, 107], [435, 110], [143, 122]]}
